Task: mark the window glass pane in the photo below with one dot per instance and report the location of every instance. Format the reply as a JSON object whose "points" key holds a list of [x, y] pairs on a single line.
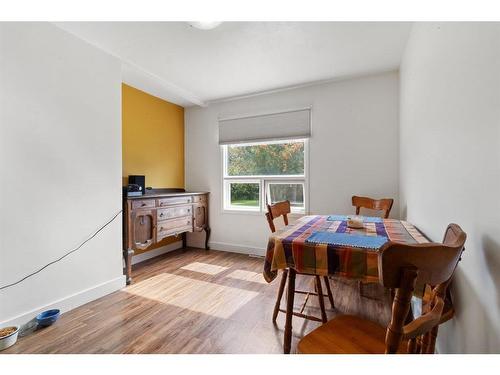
{"points": [[266, 159], [291, 192], [244, 195]]}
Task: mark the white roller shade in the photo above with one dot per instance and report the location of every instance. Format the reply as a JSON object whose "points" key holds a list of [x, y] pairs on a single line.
{"points": [[276, 126]]}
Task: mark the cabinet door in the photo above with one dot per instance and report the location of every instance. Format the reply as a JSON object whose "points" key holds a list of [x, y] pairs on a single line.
{"points": [[143, 228], [200, 216]]}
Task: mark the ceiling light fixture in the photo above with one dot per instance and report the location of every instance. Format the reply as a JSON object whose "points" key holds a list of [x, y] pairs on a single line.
{"points": [[204, 25]]}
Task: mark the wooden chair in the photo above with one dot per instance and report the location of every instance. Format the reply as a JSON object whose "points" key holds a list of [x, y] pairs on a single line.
{"points": [[452, 234], [283, 209], [384, 205], [399, 266]]}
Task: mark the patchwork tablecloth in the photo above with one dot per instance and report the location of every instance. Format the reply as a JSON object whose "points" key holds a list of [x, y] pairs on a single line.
{"points": [[289, 247]]}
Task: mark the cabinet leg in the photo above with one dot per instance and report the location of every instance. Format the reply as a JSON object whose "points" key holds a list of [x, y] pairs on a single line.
{"points": [[127, 255], [207, 236], [184, 240]]}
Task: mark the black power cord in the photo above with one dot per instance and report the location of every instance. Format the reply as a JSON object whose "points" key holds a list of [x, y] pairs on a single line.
{"points": [[65, 255]]}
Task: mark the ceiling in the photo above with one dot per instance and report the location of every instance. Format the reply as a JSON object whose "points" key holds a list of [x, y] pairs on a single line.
{"points": [[189, 66]]}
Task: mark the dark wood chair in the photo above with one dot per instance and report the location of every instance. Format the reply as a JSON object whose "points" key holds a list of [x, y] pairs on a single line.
{"points": [[274, 211], [452, 234], [384, 205], [400, 267]]}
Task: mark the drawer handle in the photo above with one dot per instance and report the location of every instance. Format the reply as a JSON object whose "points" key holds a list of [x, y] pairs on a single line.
{"points": [[161, 214], [143, 204], [175, 202]]}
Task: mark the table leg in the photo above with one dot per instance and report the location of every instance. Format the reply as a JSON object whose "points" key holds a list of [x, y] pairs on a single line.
{"points": [[287, 344]]}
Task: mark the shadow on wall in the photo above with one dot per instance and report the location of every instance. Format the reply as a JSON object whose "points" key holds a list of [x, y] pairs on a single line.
{"points": [[491, 250], [452, 337], [458, 335], [404, 212]]}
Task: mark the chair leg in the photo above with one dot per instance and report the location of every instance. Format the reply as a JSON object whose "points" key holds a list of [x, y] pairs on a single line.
{"points": [[321, 300], [280, 294], [431, 345], [418, 346], [412, 346], [329, 291], [287, 344], [424, 343]]}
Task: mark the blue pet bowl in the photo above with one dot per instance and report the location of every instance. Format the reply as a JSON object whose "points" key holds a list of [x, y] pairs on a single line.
{"points": [[48, 317]]}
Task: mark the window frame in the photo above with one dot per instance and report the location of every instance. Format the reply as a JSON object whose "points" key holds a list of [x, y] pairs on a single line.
{"points": [[264, 181], [227, 195]]}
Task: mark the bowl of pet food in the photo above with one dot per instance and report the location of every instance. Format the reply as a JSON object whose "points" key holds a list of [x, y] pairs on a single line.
{"points": [[8, 336], [47, 318], [355, 222]]}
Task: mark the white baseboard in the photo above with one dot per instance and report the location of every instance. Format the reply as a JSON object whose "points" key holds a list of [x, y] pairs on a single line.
{"points": [[235, 248], [156, 252], [72, 301]]}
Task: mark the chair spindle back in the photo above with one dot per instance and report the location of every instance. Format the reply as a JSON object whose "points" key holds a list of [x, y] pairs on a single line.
{"points": [[384, 205], [276, 210]]}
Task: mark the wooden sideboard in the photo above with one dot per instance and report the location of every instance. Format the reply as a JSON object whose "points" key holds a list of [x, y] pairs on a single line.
{"points": [[161, 213]]}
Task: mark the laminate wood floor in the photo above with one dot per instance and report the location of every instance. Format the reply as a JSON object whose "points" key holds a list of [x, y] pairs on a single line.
{"points": [[195, 301]]}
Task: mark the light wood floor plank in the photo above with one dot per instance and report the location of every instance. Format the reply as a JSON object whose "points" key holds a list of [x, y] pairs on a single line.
{"points": [[194, 301]]}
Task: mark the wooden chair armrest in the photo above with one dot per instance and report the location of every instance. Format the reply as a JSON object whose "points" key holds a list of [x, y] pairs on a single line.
{"points": [[426, 322], [448, 314]]}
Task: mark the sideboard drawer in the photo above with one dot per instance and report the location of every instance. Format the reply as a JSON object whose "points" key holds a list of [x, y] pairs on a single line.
{"points": [[174, 226], [173, 212], [200, 198], [163, 202], [143, 203]]}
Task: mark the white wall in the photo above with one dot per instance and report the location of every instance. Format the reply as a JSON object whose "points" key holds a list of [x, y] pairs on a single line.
{"points": [[353, 150], [60, 168], [450, 164]]}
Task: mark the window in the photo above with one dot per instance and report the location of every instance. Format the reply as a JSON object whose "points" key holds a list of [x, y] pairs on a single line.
{"points": [[256, 174]]}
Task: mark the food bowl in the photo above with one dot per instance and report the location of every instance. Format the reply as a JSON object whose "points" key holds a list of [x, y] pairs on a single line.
{"points": [[355, 222], [8, 336], [48, 317]]}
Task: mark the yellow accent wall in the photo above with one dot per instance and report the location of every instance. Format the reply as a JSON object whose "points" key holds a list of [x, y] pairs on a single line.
{"points": [[152, 142], [152, 139]]}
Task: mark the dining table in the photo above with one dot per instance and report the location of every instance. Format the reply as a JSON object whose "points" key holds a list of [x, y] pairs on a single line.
{"points": [[325, 245]]}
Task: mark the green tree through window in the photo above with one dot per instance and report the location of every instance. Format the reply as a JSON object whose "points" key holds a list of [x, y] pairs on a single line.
{"points": [[266, 159]]}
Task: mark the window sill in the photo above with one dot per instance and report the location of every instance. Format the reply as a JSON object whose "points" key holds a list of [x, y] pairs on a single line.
{"points": [[259, 213], [241, 212]]}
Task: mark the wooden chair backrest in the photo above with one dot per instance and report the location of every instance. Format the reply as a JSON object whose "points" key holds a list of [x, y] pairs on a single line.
{"points": [[452, 234], [384, 205], [276, 210], [431, 263]]}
